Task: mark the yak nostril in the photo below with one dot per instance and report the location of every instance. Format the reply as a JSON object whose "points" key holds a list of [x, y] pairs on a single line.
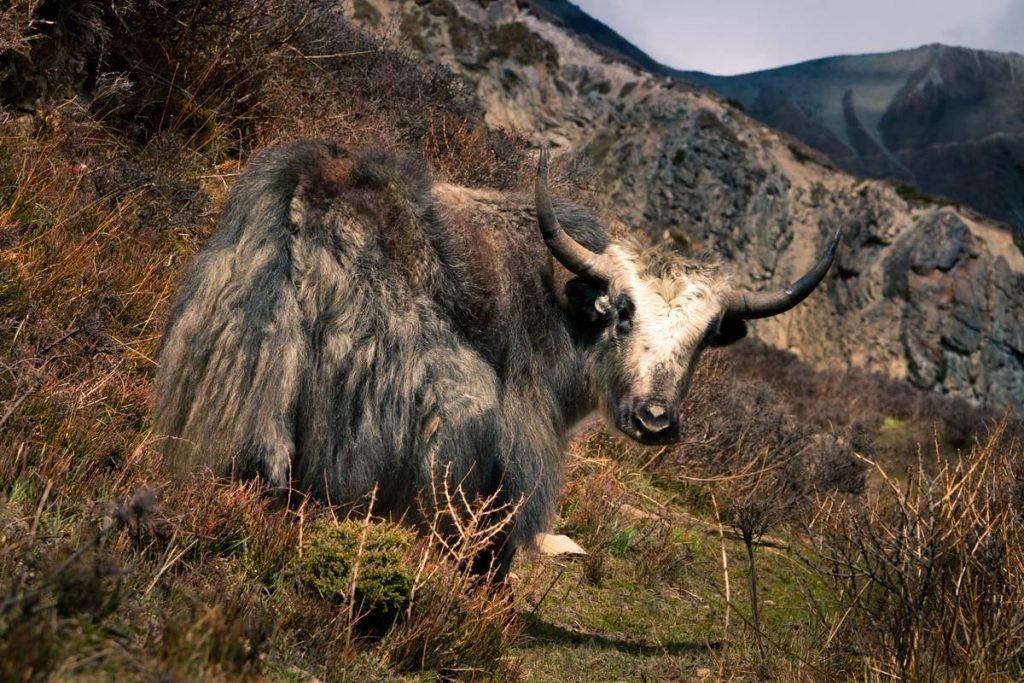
{"points": [[653, 417]]}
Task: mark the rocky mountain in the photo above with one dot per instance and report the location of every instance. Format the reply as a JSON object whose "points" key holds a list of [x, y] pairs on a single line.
{"points": [[930, 293], [947, 120]]}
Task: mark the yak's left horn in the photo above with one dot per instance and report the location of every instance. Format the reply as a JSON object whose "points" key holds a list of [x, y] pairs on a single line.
{"points": [[570, 253], [751, 305]]}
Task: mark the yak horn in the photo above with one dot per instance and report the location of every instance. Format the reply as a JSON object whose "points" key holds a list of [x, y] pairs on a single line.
{"points": [[751, 305], [570, 253]]}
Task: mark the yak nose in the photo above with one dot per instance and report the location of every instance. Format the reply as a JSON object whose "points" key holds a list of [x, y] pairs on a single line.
{"points": [[653, 416]]}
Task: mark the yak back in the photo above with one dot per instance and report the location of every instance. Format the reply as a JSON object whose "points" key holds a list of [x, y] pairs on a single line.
{"points": [[478, 255]]}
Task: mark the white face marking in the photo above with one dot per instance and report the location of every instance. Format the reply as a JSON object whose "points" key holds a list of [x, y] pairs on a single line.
{"points": [[670, 319]]}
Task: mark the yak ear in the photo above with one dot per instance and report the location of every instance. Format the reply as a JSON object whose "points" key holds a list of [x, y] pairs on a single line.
{"points": [[589, 300], [730, 330]]}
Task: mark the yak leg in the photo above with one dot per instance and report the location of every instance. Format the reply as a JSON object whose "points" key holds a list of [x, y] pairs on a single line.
{"points": [[462, 464]]}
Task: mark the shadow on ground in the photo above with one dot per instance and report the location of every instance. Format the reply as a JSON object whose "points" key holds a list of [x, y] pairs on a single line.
{"points": [[542, 632]]}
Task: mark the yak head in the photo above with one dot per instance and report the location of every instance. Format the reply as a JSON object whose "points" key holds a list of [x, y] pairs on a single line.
{"points": [[647, 314]]}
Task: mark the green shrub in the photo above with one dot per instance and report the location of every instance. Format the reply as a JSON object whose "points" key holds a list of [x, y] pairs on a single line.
{"points": [[373, 552], [912, 195]]}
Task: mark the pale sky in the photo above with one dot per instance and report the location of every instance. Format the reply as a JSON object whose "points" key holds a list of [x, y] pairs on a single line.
{"points": [[738, 36]]}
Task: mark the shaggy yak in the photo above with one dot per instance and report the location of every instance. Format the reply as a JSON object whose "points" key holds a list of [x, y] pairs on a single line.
{"points": [[352, 326]]}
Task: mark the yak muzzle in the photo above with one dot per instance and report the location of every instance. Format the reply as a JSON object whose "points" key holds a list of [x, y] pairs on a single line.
{"points": [[650, 421], [652, 417]]}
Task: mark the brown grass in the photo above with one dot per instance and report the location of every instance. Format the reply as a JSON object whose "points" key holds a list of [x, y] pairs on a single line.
{"points": [[930, 574]]}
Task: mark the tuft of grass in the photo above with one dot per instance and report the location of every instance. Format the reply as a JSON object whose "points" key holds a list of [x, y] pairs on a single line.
{"points": [[224, 636]]}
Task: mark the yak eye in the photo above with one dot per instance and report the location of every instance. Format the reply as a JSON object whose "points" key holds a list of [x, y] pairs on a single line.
{"points": [[624, 315]]}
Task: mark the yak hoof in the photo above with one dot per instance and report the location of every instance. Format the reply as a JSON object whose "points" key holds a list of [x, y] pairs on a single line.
{"points": [[559, 546]]}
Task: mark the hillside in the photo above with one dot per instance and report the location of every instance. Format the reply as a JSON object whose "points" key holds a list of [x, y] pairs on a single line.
{"points": [[927, 292], [596, 34], [946, 120], [813, 524]]}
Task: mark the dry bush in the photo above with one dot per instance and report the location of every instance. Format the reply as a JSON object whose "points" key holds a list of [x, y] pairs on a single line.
{"points": [[456, 625], [469, 152], [929, 575], [861, 401], [760, 417], [741, 437], [459, 622]]}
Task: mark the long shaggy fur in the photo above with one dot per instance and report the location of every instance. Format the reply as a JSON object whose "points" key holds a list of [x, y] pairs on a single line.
{"points": [[351, 326]]}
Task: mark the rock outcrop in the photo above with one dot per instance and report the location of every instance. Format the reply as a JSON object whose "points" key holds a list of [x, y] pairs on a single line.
{"points": [[930, 293]]}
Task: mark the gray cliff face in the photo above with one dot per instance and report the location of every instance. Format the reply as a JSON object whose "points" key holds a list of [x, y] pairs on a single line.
{"points": [[923, 292]]}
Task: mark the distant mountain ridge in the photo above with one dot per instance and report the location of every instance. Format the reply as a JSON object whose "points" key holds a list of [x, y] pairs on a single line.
{"points": [[947, 120], [596, 33]]}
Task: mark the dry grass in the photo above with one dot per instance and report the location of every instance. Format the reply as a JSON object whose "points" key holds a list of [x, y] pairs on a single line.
{"points": [[459, 622], [930, 574], [210, 580]]}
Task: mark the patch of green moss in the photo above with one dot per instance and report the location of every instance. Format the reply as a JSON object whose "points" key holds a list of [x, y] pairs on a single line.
{"points": [[911, 194], [516, 41], [373, 552], [622, 541]]}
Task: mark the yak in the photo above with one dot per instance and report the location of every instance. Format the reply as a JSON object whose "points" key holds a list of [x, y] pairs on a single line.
{"points": [[352, 326]]}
